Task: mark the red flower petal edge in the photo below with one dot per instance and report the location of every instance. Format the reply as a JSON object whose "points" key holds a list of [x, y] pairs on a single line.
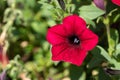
{"points": [[71, 40], [117, 2]]}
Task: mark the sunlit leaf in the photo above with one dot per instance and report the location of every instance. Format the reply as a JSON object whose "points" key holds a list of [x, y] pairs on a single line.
{"points": [[90, 11]]}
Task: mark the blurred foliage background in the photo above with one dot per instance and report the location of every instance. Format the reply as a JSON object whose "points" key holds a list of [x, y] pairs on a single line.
{"points": [[23, 26]]}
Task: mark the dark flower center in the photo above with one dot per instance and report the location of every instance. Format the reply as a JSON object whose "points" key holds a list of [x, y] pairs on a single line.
{"points": [[74, 40]]}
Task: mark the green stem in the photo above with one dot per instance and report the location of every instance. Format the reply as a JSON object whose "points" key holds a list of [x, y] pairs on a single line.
{"points": [[6, 28], [108, 35], [110, 49], [8, 25]]}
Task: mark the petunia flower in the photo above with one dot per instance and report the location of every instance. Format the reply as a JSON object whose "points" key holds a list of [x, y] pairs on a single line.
{"points": [[117, 2], [71, 40]]}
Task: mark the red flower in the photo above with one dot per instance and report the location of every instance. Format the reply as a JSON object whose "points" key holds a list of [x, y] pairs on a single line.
{"points": [[3, 58], [117, 2], [71, 40]]}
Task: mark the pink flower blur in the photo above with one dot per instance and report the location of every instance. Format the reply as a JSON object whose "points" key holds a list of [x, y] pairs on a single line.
{"points": [[3, 58], [71, 40], [117, 2]]}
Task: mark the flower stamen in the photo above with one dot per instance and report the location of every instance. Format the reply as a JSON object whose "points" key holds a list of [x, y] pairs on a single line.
{"points": [[74, 40]]}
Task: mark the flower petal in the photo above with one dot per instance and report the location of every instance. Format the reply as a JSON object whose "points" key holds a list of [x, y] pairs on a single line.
{"points": [[63, 52], [117, 2], [56, 35], [88, 40], [74, 24]]}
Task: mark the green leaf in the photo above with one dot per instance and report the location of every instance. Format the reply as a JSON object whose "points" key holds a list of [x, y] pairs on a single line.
{"points": [[39, 27], [70, 8], [90, 22], [114, 39], [101, 51], [46, 7], [83, 76], [99, 55], [68, 1], [90, 11], [114, 36], [118, 49], [28, 49], [117, 52], [76, 73], [30, 3], [116, 64], [97, 59]]}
